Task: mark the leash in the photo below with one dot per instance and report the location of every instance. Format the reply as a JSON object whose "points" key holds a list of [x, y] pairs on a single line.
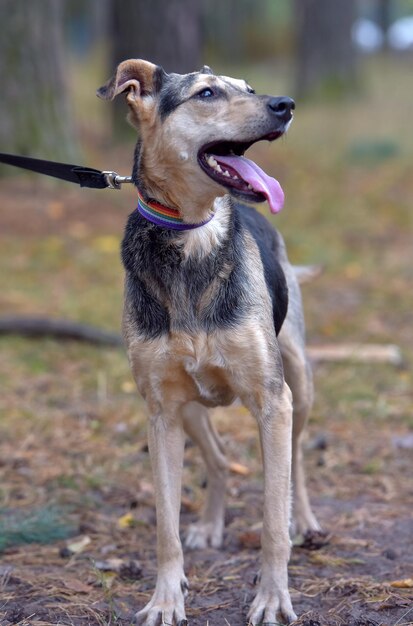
{"points": [[83, 176], [153, 211]]}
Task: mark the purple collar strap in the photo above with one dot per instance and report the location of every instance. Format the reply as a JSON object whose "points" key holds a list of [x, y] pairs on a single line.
{"points": [[163, 216]]}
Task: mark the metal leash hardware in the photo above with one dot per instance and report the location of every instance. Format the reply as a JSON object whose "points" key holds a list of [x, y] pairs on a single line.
{"points": [[78, 174], [114, 180]]}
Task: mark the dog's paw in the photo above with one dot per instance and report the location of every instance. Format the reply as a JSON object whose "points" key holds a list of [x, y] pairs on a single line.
{"points": [[166, 605], [312, 540], [157, 613], [305, 522], [202, 535], [271, 607]]}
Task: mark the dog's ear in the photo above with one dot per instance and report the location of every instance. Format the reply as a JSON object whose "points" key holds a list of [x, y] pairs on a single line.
{"points": [[205, 70], [135, 76]]}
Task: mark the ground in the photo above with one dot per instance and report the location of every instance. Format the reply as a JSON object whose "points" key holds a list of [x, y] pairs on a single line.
{"points": [[77, 528]]}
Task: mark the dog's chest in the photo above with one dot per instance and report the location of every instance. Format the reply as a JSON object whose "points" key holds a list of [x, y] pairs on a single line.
{"points": [[210, 368], [190, 283], [204, 362]]}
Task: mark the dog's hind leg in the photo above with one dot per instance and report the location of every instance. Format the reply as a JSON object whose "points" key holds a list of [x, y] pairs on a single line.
{"points": [[299, 378], [210, 528]]}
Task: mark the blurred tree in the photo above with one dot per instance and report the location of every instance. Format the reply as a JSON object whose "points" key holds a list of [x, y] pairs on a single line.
{"points": [[34, 112], [384, 18], [86, 24], [326, 59], [242, 31], [166, 32], [227, 24]]}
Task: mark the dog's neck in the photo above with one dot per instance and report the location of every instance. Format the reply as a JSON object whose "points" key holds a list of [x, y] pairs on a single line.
{"points": [[190, 209], [194, 201], [196, 242], [166, 217]]}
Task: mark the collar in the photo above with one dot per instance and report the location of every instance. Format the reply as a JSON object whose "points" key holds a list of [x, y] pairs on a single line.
{"points": [[164, 216]]}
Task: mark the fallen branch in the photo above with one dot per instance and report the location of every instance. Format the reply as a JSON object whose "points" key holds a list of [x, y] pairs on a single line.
{"points": [[360, 353], [61, 329], [67, 330], [307, 273]]}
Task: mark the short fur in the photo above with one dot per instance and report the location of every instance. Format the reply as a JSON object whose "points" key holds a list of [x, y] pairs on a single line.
{"points": [[211, 315]]}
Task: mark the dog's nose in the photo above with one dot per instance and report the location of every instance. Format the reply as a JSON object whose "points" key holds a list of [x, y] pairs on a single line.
{"points": [[282, 107]]}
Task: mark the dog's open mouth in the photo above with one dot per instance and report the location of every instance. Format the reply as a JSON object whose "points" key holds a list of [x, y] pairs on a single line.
{"points": [[224, 162]]}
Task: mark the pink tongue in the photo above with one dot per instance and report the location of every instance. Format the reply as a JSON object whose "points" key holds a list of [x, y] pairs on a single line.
{"points": [[257, 178]]}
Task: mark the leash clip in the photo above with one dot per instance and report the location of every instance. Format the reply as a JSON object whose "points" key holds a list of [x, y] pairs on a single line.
{"points": [[114, 181]]}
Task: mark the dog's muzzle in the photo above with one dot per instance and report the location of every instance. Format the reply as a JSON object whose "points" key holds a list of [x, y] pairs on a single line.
{"points": [[282, 108]]}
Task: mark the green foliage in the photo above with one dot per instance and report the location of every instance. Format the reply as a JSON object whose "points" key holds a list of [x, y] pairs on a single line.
{"points": [[372, 150], [43, 525], [402, 8]]}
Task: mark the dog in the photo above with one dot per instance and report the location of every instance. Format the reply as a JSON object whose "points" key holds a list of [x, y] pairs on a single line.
{"points": [[212, 313]]}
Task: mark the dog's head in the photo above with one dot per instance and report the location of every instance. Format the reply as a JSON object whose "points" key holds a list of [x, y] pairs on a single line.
{"points": [[194, 130]]}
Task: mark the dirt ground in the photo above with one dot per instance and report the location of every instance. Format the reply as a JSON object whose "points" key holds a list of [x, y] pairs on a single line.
{"points": [[79, 456], [354, 577]]}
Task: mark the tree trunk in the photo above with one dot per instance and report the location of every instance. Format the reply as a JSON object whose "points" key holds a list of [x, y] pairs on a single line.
{"points": [[326, 59], [384, 19], [226, 24], [165, 32], [34, 112]]}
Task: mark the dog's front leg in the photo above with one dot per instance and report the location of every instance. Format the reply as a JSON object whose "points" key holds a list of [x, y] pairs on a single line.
{"points": [[274, 416], [166, 448]]}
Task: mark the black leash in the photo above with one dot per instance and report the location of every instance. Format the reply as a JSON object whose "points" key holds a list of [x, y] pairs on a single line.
{"points": [[83, 176]]}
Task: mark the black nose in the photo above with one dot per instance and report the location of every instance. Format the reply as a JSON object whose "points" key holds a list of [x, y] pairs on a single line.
{"points": [[282, 107]]}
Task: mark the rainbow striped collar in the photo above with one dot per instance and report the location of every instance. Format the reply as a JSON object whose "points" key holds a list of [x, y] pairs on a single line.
{"points": [[164, 216]]}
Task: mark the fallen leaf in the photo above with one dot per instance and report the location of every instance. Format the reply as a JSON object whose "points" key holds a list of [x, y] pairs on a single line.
{"points": [[189, 506], [250, 539], [107, 579], [109, 565], [237, 468], [353, 270], [128, 386], [78, 546], [126, 521], [406, 583], [130, 568], [55, 210], [106, 243]]}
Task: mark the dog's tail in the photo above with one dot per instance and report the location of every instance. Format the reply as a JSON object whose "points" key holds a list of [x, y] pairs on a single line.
{"points": [[307, 273]]}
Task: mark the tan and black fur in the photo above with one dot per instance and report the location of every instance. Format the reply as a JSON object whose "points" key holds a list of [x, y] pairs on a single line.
{"points": [[211, 315]]}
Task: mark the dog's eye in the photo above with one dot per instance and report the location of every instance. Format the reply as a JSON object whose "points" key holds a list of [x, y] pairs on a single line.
{"points": [[206, 93]]}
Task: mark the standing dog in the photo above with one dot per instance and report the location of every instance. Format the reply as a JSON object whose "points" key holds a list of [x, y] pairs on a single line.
{"points": [[205, 321]]}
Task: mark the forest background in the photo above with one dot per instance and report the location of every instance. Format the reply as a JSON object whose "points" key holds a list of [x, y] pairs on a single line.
{"points": [[75, 490]]}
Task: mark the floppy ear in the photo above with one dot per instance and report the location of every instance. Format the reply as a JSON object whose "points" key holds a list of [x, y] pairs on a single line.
{"points": [[137, 77]]}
